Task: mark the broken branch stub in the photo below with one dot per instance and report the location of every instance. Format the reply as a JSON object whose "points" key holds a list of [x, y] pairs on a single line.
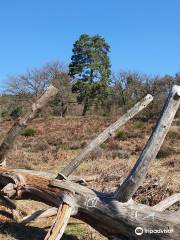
{"points": [[18, 126], [151, 149], [102, 137], [59, 226]]}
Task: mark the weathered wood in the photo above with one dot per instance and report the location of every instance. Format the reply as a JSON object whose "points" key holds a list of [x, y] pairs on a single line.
{"points": [[59, 226], [39, 214], [102, 137], [166, 203], [19, 125], [100, 210], [83, 179], [138, 173]]}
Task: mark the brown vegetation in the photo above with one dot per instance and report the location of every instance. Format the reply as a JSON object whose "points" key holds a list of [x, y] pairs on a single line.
{"points": [[57, 140], [71, 197]]}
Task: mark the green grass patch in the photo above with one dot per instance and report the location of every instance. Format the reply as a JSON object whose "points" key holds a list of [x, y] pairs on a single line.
{"points": [[173, 135], [77, 231], [121, 135], [104, 146], [28, 132], [139, 125], [62, 146]]}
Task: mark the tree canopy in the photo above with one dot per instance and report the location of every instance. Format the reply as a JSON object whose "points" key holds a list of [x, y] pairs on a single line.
{"points": [[90, 69]]}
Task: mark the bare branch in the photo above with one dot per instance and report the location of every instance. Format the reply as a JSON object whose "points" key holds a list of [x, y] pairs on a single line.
{"points": [[22, 123], [138, 173], [39, 214], [166, 203], [104, 136]]}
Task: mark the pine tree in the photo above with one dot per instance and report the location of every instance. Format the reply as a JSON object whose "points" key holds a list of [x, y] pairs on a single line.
{"points": [[90, 70]]}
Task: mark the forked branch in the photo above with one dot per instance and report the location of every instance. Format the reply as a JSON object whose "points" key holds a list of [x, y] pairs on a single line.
{"points": [[138, 173]]}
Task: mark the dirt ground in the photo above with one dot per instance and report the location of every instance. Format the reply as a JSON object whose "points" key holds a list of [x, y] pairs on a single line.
{"points": [[57, 140]]}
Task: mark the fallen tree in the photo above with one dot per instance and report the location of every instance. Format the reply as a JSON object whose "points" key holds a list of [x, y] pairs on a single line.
{"points": [[19, 125], [115, 214]]}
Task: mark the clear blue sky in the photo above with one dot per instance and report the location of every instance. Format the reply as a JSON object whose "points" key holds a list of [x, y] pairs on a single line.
{"points": [[144, 35]]}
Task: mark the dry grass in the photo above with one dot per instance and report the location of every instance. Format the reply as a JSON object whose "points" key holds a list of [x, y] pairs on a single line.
{"points": [[58, 140]]}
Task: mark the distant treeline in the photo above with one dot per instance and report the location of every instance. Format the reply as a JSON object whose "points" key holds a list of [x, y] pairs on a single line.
{"points": [[125, 89], [86, 86]]}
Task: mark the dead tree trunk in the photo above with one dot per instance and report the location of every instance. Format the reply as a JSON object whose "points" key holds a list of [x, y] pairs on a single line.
{"points": [[19, 125], [115, 215]]}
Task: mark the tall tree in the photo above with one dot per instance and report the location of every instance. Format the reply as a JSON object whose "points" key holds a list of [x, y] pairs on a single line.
{"points": [[90, 69]]}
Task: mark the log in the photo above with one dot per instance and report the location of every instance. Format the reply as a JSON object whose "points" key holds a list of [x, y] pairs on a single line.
{"points": [[19, 125], [83, 179], [137, 174], [102, 137]]}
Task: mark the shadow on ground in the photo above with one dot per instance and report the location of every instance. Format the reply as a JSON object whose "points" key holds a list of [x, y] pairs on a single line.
{"points": [[21, 232]]}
